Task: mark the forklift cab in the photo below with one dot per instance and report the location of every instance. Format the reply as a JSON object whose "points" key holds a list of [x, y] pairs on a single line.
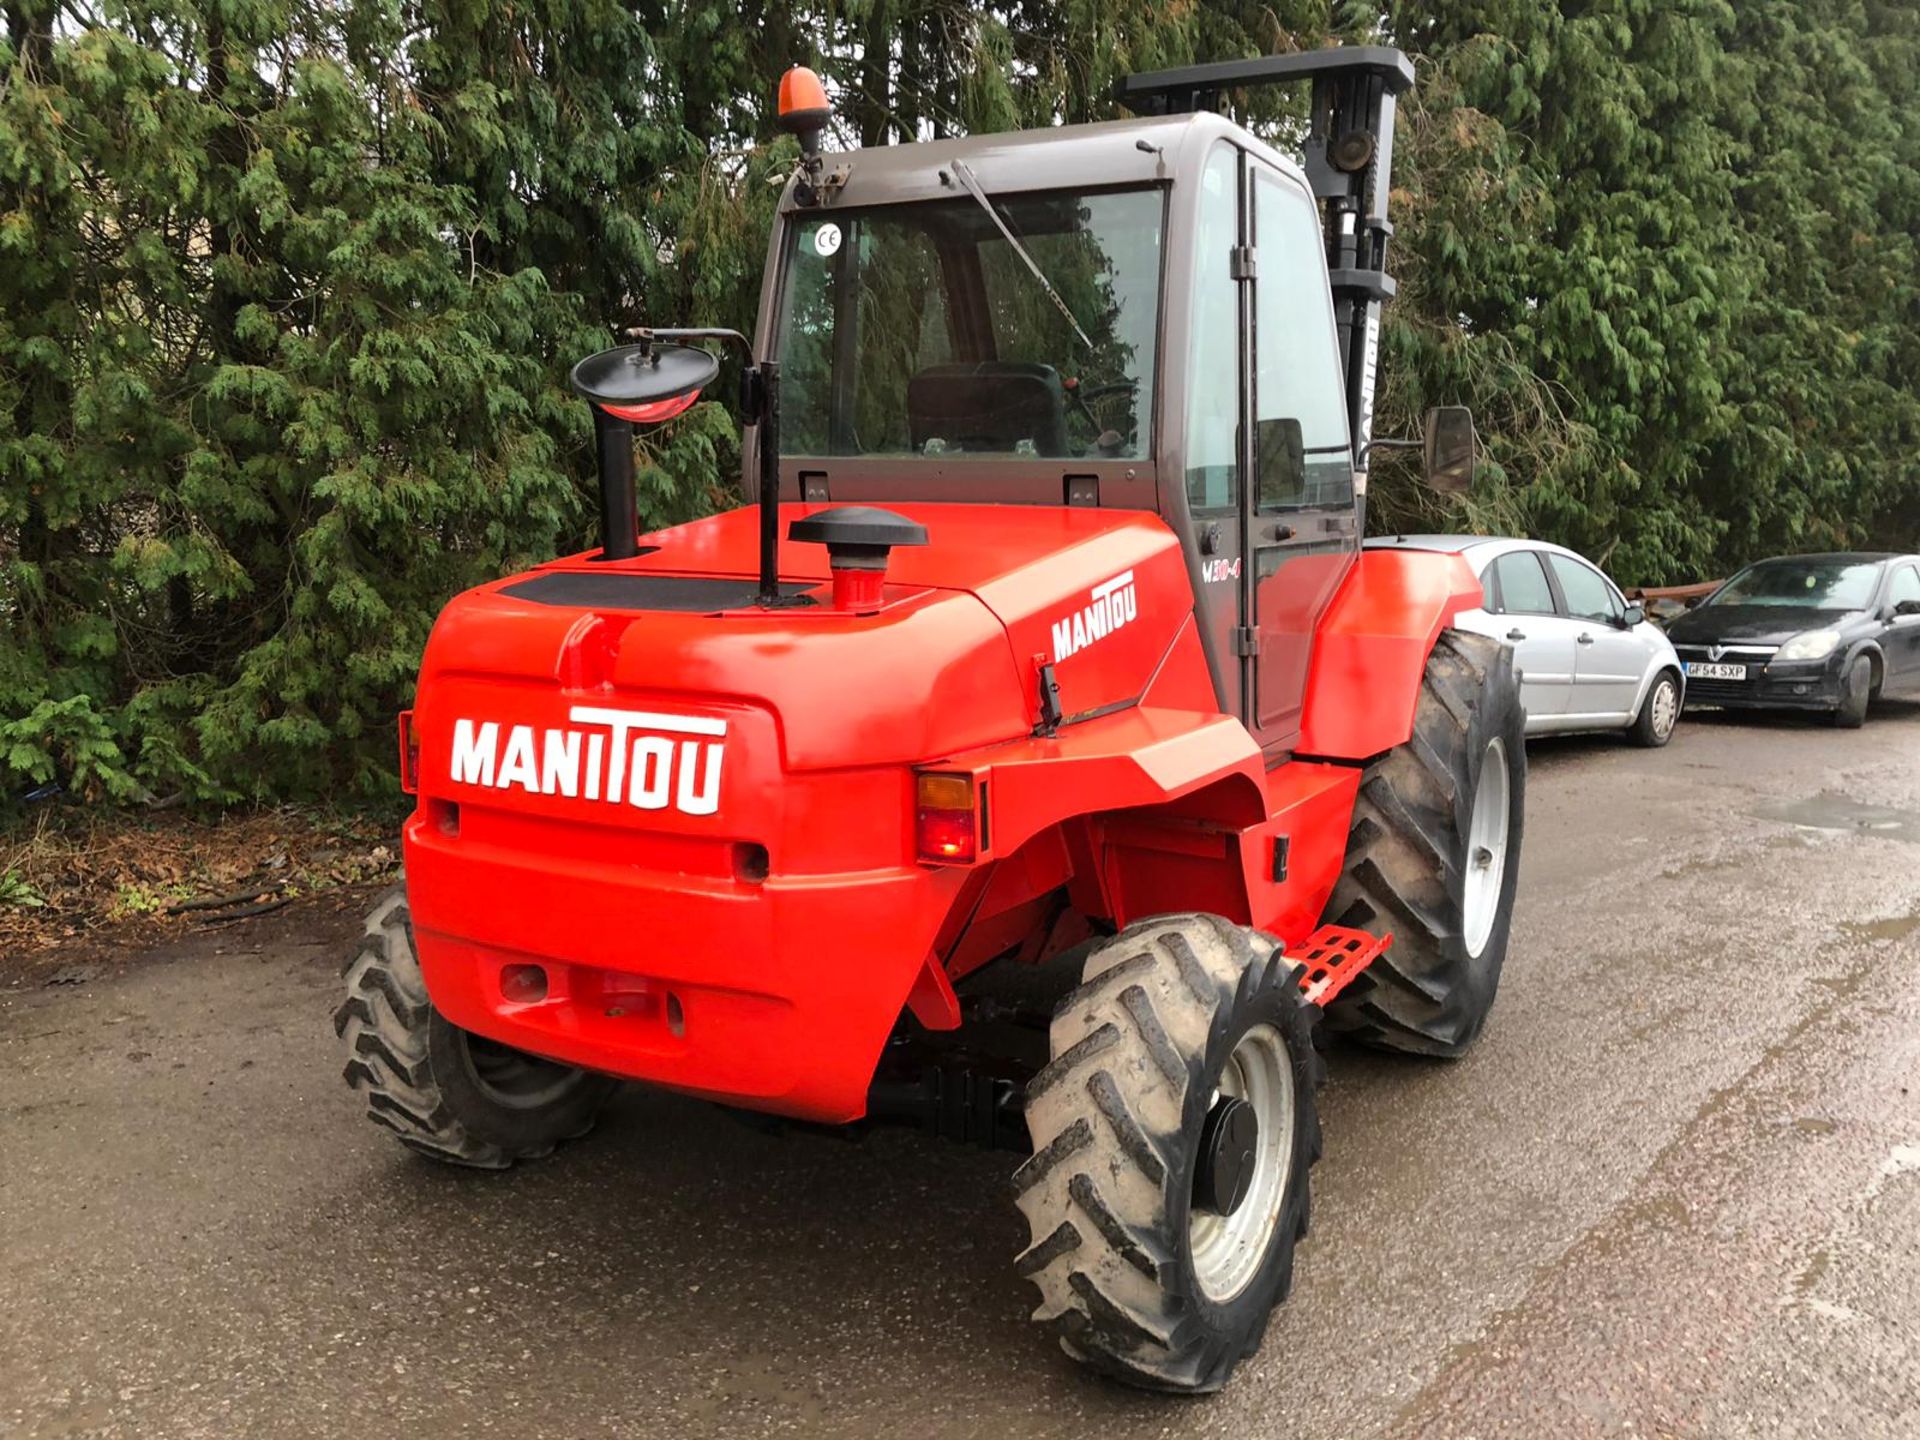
{"points": [[1137, 314]]}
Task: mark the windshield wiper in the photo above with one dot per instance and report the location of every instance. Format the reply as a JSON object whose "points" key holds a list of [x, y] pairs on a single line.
{"points": [[965, 176]]}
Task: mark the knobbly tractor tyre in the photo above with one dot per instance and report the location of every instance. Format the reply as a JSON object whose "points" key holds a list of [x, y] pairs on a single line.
{"points": [[444, 1092], [1173, 1131], [1433, 854], [1659, 712]]}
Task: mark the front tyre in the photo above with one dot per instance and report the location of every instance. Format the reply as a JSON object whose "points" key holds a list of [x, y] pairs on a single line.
{"points": [[1856, 693], [446, 1093], [1659, 712], [1173, 1131], [1433, 855]]}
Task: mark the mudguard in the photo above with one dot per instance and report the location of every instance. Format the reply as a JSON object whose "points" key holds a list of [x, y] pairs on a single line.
{"points": [[1144, 756], [1372, 647]]}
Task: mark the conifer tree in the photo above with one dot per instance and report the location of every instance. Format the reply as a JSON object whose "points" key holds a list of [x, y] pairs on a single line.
{"points": [[289, 290]]}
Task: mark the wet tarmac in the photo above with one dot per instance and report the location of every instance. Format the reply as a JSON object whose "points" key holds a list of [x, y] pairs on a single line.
{"points": [[1674, 1191]]}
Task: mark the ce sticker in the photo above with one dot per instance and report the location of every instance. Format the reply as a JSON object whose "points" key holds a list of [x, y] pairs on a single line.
{"points": [[826, 239]]}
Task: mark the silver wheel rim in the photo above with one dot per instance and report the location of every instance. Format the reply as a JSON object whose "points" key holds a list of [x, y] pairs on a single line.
{"points": [[1228, 1250], [1666, 708], [1486, 849]]}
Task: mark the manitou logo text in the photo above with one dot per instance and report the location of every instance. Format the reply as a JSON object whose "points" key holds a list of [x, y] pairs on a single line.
{"points": [[617, 755], [1113, 605]]}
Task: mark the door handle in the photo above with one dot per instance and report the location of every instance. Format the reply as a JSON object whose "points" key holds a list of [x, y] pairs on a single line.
{"points": [[1281, 533], [1516, 634], [1584, 638]]}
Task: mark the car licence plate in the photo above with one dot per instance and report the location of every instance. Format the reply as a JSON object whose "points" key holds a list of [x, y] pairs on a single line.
{"points": [[1701, 670]]}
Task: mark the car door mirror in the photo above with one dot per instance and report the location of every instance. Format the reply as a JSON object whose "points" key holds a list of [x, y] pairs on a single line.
{"points": [[1636, 615], [1907, 607], [1449, 449]]}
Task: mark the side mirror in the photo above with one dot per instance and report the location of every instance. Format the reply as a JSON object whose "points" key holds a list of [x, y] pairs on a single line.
{"points": [[1280, 461], [627, 386], [1907, 607], [644, 384], [1636, 615], [1450, 449]]}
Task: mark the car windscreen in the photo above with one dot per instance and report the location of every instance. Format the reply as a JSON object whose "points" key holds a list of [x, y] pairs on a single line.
{"points": [[921, 330], [1805, 584]]}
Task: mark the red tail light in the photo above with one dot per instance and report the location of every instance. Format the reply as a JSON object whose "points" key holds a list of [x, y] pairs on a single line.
{"points": [[409, 755], [945, 829]]}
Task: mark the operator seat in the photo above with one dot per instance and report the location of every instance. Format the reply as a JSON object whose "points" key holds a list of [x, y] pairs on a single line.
{"points": [[988, 405]]}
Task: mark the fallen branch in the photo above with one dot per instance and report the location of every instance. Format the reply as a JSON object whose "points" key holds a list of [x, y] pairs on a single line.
{"points": [[221, 902], [246, 912]]}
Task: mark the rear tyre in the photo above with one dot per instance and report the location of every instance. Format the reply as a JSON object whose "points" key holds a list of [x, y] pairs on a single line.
{"points": [[1855, 695], [1433, 854], [1659, 712], [444, 1092], [1173, 1131]]}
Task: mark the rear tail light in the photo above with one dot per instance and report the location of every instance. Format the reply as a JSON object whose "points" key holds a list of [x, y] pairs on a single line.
{"points": [[409, 755], [945, 828]]}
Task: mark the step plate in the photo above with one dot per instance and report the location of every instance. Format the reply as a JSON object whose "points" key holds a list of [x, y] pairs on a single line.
{"points": [[1332, 956]]}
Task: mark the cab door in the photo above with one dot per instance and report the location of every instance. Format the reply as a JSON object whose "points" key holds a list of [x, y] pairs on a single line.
{"points": [[1213, 411], [1301, 529]]}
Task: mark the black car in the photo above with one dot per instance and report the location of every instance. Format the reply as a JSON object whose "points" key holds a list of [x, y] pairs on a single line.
{"points": [[1806, 632]]}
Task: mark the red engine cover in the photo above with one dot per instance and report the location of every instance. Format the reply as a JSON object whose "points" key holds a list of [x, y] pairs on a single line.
{"points": [[699, 821]]}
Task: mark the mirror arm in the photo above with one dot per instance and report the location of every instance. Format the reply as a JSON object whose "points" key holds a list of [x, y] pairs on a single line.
{"points": [[1366, 450], [644, 336], [619, 512], [760, 406]]}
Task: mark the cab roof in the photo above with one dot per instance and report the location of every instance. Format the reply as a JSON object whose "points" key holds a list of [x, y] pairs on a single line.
{"points": [[1145, 151]]}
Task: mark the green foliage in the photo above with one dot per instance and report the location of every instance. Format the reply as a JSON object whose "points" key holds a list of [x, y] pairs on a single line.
{"points": [[15, 891], [289, 289]]}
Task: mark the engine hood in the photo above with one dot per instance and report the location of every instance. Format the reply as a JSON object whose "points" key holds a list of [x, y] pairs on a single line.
{"points": [[948, 662], [1754, 624]]}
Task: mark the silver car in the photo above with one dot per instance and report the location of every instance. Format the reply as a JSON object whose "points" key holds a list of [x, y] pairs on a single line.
{"points": [[1588, 660]]}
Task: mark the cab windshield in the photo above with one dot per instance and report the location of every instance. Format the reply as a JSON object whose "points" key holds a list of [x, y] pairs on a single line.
{"points": [[1809, 584], [920, 331]]}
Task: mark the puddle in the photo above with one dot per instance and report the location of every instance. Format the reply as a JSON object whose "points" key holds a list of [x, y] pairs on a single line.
{"points": [[1897, 928], [1827, 811]]}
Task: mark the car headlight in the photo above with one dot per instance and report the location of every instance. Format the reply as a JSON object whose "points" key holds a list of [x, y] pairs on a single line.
{"points": [[1814, 645]]}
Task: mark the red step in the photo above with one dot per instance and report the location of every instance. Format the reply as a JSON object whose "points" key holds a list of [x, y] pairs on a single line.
{"points": [[1332, 956]]}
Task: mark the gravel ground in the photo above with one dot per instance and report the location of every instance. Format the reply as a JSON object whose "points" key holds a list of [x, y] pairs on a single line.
{"points": [[1674, 1191]]}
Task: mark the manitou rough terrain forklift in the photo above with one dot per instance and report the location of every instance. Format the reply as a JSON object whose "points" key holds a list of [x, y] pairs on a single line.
{"points": [[1046, 637]]}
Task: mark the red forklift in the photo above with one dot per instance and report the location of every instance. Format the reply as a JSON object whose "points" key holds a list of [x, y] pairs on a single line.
{"points": [[1044, 639]]}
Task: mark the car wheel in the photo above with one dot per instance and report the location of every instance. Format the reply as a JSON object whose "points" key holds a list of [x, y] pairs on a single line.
{"points": [[1855, 692], [1659, 712]]}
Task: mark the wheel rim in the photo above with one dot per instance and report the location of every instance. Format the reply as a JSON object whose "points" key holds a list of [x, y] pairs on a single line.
{"points": [[1228, 1250], [512, 1078], [1486, 849], [1666, 708]]}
